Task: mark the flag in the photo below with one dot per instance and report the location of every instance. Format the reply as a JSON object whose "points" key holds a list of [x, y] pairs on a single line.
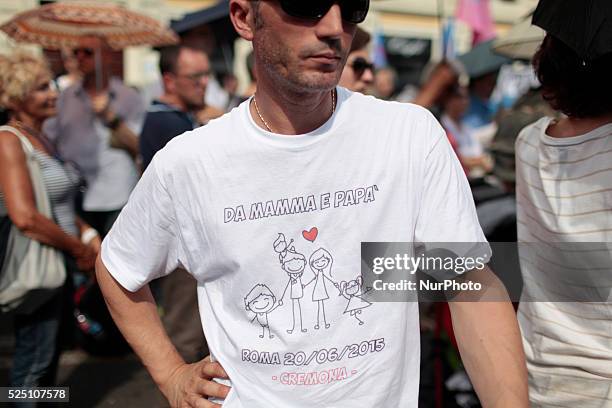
{"points": [[448, 39], [477, 15], [379, 52]]}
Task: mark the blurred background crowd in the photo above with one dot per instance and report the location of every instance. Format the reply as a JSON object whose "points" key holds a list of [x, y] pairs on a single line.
{"points": [[94, 108]]}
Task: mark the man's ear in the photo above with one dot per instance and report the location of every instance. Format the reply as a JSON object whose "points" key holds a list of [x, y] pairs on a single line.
{"points": [[242, 14], [168, 80]]}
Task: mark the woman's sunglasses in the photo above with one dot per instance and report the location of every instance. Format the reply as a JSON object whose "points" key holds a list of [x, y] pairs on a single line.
{"points": [[353, 11], [360, 65]]}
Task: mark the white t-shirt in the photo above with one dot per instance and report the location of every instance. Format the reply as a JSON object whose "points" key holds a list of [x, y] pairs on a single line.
{"points": [[238, 207], [564, 199]]}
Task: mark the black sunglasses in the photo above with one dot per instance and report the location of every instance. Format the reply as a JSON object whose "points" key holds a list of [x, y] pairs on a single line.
{"points": [[353, 11], [360, 65], [88, 52]]}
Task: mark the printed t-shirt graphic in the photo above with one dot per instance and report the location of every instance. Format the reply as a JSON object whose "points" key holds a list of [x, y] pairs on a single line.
{"points": [[261, 301], [271, 227]]}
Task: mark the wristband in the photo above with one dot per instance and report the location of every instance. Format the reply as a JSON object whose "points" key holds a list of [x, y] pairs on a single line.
{"points": [[88, 235], [114, 123]]}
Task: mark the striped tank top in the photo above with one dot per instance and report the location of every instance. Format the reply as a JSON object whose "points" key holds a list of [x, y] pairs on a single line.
{"points": [[61, 181]]}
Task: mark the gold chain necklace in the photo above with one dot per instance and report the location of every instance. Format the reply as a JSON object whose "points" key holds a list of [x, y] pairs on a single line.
{"points": [[333, 95]]}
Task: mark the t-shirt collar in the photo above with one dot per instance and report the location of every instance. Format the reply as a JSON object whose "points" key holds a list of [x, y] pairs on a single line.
{"points": [[574, 140], [296, 142], [160, 105]]}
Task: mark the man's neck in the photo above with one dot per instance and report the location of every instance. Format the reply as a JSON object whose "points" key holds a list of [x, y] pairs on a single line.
{"points": [[291, 113], [569, 127], [90, 83], [173, 100]]}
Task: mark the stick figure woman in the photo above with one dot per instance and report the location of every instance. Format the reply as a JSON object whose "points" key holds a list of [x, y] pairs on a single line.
{"points": [[321, 263]]}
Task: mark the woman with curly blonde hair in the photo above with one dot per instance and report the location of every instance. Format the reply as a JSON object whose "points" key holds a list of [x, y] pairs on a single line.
{"points": [[27, 95]]}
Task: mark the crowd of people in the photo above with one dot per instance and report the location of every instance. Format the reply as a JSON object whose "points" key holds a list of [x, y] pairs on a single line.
{"points": [[83, 159]]}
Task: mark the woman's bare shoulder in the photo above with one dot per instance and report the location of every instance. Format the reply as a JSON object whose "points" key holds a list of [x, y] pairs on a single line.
{"points": [[10, 146]]}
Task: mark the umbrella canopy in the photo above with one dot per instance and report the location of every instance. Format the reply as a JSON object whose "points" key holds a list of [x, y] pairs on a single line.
{"points": [[216, 19], [210, 15], [481, 60], [583, 25], [521, 42], [60, 25]]}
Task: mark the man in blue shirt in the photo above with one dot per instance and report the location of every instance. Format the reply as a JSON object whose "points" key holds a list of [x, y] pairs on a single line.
{"points": [[185, 72]]}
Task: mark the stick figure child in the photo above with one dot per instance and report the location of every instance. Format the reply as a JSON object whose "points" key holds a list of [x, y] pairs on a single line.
{"points": [[293, 263], [351, 290], [281, 246], [261, 301]]}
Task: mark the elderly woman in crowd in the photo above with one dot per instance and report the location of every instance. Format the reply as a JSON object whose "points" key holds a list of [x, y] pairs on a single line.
{"points": [[28, 97]]}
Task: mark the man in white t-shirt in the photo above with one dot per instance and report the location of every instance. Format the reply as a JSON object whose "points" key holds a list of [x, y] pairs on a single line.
{"points": [[267, 208]]}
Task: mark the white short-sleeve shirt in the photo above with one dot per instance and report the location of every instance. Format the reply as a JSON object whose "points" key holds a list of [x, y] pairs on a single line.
{"points": [[251, 214]]}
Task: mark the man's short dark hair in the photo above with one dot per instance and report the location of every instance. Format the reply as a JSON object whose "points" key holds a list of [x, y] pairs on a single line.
{"points": [[257, 15], [168, 58], [577, 87]]}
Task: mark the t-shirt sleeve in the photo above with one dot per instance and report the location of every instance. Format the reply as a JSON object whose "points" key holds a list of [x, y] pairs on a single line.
{"points": [[447, 212], [144, 243]]}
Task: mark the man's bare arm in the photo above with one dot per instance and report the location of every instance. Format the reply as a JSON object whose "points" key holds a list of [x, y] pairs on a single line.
{"points": [[490, 344], [124, 138], [184, 385]]}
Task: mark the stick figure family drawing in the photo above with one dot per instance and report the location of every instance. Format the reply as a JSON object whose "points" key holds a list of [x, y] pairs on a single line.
{"points": [[261, 300]]}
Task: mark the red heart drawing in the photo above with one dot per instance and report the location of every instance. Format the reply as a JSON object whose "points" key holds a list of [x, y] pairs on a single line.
{"points": [[310, 235]]}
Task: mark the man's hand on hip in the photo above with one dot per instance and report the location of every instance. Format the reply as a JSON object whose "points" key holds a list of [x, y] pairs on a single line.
{"points": [[190, 385]]}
